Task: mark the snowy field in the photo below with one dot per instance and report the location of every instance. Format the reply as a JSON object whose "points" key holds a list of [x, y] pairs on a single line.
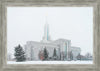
{"points": [[51, 62]]}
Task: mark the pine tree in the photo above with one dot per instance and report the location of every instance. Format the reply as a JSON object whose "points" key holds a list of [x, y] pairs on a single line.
{"points": [[71, 55], [19, 54], [54, 54], [45, 54], [79, 56]]}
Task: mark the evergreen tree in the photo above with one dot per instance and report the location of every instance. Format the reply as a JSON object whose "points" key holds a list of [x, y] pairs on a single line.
{"points": [[79, 56], [71, 55], [19, 54], [54, 54], [45, 54]]}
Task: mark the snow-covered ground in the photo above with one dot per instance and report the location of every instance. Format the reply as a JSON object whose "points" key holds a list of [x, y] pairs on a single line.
{"points": [[51, 62]]}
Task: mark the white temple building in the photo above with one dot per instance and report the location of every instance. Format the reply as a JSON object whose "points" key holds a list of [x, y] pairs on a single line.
{"points": [[63, 47]]}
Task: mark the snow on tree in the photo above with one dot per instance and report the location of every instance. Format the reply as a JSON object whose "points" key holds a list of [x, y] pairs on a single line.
{"points": [[62, 55], [55, 54], [79, 56], [45, 54], [19, 54], [41, 55], [71, 55], [88, 55]]}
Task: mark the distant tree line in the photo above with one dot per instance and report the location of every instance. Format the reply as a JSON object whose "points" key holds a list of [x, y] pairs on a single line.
{"points": [[44, 55]]}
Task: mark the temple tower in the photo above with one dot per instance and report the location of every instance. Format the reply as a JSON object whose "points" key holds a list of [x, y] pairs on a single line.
{"points": [[46, 37]]}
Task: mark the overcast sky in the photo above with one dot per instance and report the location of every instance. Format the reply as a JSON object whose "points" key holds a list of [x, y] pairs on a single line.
{"points": [[72, 23]]}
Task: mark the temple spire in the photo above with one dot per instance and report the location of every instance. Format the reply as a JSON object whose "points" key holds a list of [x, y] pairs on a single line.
{"points": [[46, 36]]}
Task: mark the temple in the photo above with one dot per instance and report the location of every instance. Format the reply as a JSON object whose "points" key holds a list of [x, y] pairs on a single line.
{"points": [[64, 51]]}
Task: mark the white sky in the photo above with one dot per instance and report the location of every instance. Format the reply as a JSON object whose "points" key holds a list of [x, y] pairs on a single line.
{"points": [[72, 23]]}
